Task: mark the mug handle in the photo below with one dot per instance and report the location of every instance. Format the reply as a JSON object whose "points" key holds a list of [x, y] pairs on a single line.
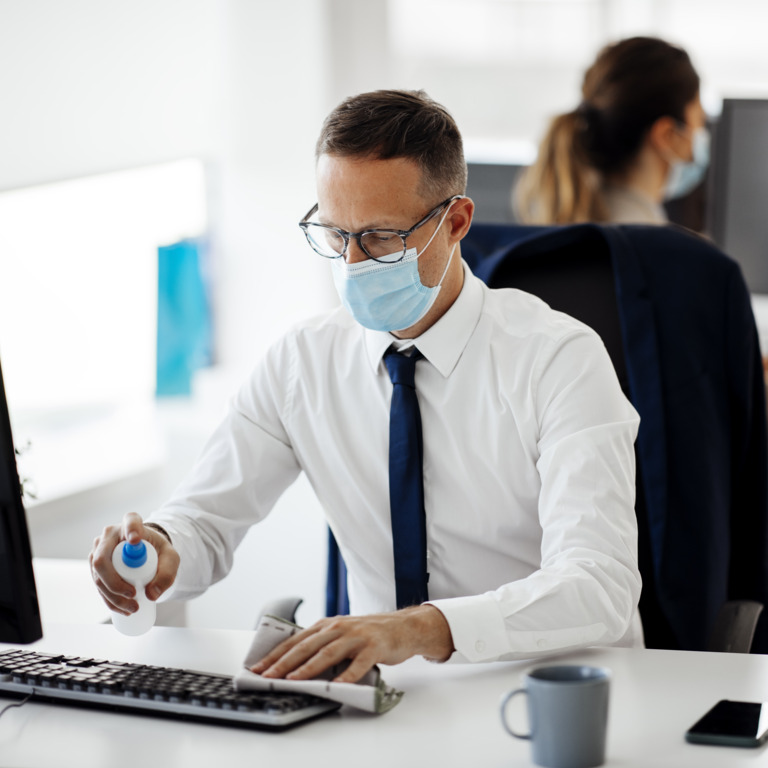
{"points": [[504, 702]]}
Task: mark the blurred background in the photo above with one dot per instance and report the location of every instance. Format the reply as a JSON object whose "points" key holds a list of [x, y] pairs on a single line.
{"points": [[153, 144]]}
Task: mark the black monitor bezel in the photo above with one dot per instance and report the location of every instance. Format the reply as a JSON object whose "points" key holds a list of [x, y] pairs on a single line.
{"points": [[719, 192], [718, 177], [20, 618]]}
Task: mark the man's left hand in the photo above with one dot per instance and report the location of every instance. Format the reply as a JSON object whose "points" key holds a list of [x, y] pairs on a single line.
{"points": [[383, 638]]}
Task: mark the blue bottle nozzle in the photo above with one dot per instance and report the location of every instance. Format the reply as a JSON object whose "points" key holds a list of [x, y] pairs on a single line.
{"points": [[134, 555]]}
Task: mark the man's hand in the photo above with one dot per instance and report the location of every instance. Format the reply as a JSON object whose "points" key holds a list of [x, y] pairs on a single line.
{"points": [[385, 638], [116, 593]]}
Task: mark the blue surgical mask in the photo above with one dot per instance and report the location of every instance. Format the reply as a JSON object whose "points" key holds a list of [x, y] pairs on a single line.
{"points": [[686, 175], [387, 296]]}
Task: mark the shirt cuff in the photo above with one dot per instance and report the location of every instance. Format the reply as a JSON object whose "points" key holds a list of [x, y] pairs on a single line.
{"points": [[159, 529], [477, 626]]}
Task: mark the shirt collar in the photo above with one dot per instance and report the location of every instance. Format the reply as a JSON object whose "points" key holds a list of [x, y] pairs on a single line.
{"points": [[443, 343]]}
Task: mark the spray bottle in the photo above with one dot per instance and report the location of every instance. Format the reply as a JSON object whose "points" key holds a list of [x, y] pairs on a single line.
{"points": [[136, 564]]}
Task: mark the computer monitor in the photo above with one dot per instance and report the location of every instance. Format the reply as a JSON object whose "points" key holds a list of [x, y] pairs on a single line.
{"points": [[490, 187], [738, 192], [19, 610]]}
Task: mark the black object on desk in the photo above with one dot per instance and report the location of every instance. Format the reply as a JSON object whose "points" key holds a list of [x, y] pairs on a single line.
{"points": [[19, 610], [731, 724]]}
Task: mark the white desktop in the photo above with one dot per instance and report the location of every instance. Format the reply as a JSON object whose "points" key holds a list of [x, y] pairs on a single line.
{"points": [[447, 717]]}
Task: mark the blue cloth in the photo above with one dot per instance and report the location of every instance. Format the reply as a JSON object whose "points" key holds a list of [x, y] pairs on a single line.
{"points": [[695, 377], [406, 487], [184, 327]]}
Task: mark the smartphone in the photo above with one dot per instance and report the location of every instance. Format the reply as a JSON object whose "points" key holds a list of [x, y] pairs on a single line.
{"points": [[733, 724]]}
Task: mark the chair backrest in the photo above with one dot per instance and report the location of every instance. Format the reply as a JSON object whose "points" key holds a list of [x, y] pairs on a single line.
{"points": [[626, 283], [572, 274], [735, 626]]}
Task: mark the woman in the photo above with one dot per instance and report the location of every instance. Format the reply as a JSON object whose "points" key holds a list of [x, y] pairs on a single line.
{"points": [[636, 139]]}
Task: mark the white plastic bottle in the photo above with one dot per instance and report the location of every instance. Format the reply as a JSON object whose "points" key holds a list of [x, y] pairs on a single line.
{"points": [[137, 564]]}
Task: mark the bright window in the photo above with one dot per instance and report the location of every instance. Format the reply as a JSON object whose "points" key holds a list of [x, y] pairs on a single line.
{"points": [[78, 314]]}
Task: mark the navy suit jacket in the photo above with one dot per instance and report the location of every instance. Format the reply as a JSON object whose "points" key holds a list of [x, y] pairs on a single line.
{"points": [[694, 374]]}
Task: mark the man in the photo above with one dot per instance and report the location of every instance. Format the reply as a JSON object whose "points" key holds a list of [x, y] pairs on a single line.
{"points": [[528, 463]]}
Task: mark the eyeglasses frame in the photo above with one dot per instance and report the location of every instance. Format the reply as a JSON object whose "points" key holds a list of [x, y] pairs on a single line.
{"points": [[347, 236]]}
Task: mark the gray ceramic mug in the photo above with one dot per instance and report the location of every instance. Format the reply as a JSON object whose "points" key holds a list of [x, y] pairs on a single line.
{"points": [[568, 715]]}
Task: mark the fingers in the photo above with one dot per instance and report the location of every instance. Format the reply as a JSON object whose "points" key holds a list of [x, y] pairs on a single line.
{"points": [[167, 557], [311, 654], [167, 566], [331, 642], [133, 528], [347, 658], [279, 650], [125, 607], [116, 593], [357, 669]]}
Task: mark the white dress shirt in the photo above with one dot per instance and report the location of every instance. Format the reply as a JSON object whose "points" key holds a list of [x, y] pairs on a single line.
{"points": [[529, 473]]}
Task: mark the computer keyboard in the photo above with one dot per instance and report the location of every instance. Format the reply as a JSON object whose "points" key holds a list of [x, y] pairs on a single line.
{"points": [[153, 691]]}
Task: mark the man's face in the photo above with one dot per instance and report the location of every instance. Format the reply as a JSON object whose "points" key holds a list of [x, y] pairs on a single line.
{"points": [[357, 194]]}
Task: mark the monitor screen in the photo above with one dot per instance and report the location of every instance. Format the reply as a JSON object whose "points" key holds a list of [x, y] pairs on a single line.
{"points": [[490, 186], [739, 188], [19, 611]]}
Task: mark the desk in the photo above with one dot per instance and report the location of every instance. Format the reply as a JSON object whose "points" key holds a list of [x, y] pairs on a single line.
{"points": [[448, 716]]}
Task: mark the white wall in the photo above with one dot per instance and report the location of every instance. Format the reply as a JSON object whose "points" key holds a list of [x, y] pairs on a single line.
{"points": [[90, 86], [505, 67], [274, 94]]}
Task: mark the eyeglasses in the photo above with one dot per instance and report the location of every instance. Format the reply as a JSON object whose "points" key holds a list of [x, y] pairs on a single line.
{"points": [[387, 245]]}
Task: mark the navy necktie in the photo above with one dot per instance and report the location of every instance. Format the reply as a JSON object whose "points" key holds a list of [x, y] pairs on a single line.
{"points": [[406, 488]]}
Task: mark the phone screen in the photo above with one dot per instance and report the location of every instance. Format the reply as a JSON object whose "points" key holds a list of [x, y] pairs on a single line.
{"points": [[737, 723]]}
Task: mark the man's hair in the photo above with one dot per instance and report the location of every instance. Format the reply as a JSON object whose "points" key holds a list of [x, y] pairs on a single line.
{"points": [[394, 124]]}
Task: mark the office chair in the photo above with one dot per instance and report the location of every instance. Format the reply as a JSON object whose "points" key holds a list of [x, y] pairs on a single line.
{"points": [[735, 626], [675, 316], [336, 596]]}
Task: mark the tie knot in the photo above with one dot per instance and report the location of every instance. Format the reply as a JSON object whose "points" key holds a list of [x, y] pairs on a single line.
{"points": [[402, 369]]}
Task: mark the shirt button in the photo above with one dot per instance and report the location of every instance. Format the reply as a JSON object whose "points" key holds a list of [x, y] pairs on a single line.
{"points": [[429, 555], [541, 642], [479, 646]]}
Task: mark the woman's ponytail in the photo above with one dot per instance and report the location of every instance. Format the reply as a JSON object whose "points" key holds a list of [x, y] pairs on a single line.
{"points": [[561, 187]]}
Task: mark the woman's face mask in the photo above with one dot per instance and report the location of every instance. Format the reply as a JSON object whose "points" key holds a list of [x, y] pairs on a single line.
{"points": [[685, 175]]}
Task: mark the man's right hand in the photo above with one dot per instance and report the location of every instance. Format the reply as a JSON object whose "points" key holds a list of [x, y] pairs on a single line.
{"points": [[116, 593]]}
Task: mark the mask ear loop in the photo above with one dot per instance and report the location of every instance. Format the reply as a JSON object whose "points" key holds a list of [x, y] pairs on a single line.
{"points": [[437, 229], [448, 264], [435, 289], [450, 257]]}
